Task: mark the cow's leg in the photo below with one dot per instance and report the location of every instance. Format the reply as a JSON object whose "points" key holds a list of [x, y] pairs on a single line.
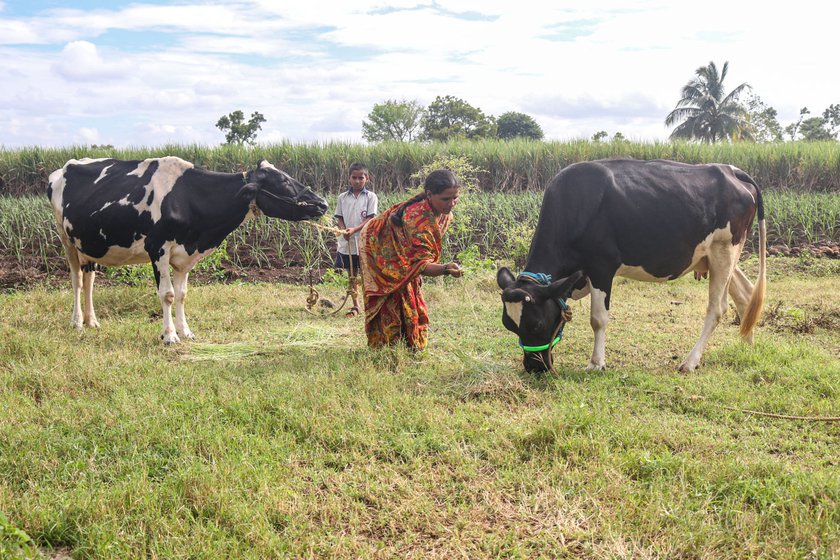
{"points": [[722, 259], [179, 280], [740, 290], [599, 316], [166, 292], [88, 276], [75, 265], [75, 282]]}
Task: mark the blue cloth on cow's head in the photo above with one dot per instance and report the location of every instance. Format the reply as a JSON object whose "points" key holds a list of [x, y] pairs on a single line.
{"points": [[539, 277]]}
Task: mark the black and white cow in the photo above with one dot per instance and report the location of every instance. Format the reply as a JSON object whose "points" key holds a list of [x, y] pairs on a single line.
{"points": [[647, 220], [166, 210]]}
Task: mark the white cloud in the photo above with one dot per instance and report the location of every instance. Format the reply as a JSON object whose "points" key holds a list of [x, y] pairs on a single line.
{"points": [[316, 68], [88, 136], [80, 61]]}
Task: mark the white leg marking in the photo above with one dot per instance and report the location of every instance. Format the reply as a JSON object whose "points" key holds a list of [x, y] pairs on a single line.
{"points": [[76, 283], [166, 293], [598, 318], [722, 259], [90, 315], [180, 283]]}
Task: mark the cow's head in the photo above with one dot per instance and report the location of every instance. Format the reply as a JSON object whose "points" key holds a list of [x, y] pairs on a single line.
{"points": [[532, 307], [280, 196]]}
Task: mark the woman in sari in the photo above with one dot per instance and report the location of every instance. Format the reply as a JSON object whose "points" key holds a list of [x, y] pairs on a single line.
{"points": [[397, 248]]}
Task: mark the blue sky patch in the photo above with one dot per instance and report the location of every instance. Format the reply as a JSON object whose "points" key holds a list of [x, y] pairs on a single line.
{"points": [[137, 41], [570, 30], [29, 8]]}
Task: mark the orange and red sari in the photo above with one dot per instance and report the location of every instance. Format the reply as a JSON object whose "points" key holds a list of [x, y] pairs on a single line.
{"points": [[392, 258]]}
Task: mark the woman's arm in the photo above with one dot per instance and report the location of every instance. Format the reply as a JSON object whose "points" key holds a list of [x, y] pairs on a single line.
{"points": [[448, 269]]}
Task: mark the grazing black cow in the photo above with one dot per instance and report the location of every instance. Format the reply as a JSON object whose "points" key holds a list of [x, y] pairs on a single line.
{"points": [[647, 220], [165, 210]]}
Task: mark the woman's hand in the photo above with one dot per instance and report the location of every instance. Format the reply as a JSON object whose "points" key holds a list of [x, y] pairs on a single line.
{"points": [[453, 269]]}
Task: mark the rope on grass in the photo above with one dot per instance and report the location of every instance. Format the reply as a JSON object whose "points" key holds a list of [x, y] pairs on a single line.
{"points": [[697, 398]]}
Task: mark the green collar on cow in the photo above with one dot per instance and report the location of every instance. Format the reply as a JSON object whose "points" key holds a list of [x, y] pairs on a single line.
{"points": [[544, 347]]}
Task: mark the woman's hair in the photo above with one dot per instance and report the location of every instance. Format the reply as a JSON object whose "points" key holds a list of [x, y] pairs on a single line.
{"points": [[436, 182]]}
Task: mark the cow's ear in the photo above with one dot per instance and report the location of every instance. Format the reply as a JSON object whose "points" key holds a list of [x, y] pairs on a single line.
{"points": [[504, 277], [563, 288]]}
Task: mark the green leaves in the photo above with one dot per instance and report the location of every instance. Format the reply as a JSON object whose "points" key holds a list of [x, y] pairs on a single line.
{"points": [[706, 113], [397, 121], [15, 543], [238, 131]]}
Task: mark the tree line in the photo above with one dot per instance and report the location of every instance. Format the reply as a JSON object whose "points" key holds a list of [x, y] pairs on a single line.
{"points": [[706, 112]]}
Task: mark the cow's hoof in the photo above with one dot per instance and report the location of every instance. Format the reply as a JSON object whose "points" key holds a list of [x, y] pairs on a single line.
{"points": [[595, 367], [93, 324], [170, 339], [685, 367], [187, 335], [78, 326]]}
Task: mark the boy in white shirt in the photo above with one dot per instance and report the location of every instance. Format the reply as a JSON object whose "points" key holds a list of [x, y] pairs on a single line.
{"points": [[354, 208]]}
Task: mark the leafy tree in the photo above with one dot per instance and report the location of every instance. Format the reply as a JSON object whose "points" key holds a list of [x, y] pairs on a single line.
{"points": [[514, 125], [706, 112], [792, 129], [814, 130], [764, 120], [448, 118], [238, 131], [832, 118], [393, 120], [603, 135]]}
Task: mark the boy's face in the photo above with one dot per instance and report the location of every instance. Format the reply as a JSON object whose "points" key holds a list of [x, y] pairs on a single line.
{"points": [[358, 180]]}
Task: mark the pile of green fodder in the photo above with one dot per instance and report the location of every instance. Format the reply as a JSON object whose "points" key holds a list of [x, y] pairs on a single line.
{"points": [[508, 166], [494, 226]]}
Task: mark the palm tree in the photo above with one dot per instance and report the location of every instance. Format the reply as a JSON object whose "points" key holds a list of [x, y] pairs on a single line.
{"points": [[705, 113]]}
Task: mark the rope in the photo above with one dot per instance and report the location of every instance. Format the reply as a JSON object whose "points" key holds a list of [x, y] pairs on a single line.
{"points": [[335, 230], [538, 277], [697, 398], [352, 285]]}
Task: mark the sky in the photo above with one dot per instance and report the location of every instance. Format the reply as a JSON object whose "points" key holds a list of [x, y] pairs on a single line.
{"points": [[154, 72]]}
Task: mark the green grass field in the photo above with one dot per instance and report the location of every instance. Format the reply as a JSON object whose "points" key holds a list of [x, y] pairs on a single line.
{"points": [[279, 434]]}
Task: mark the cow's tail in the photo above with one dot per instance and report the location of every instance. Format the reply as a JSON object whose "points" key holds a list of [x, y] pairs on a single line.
{"points": [[753, 312]]}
